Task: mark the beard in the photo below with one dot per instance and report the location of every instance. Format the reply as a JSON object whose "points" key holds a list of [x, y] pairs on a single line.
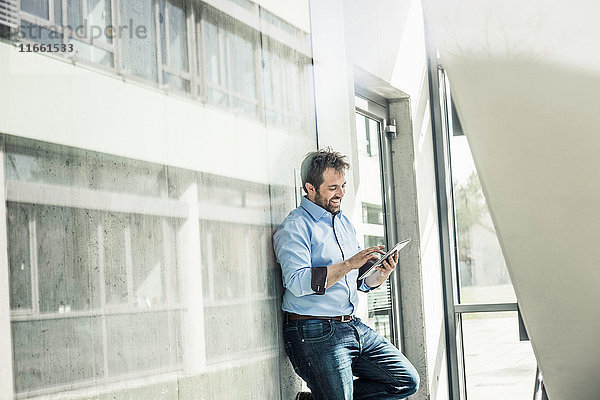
{"points": [[328, 205]]}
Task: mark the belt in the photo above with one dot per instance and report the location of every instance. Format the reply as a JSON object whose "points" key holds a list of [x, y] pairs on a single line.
{"points": [[341, 318]]}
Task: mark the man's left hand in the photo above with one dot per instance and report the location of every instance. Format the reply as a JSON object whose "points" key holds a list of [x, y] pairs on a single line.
{"points": [[385, 269]]}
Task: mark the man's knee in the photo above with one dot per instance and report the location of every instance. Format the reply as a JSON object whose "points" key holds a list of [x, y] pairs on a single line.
{"points": [[413, 385], [408, 384]]}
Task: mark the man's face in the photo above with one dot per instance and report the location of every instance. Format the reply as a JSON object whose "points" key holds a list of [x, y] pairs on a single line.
{"points": [[330, 193]]}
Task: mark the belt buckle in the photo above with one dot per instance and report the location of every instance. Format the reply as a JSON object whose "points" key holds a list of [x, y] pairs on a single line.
{"points": [[346, 318]]}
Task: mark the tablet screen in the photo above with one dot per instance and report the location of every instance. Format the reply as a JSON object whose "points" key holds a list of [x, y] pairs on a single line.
{"points": [[399, 246]]}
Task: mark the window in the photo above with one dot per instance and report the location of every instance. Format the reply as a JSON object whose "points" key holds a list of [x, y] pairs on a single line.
{"points": [[367, 130], [229, 62], [80, 23], [190, 48], [286, 90], [172, 19], [372, 214]]}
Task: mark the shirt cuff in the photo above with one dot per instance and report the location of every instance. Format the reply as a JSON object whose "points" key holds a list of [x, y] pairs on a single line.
{"points": [[318, 280], [360, 283]]}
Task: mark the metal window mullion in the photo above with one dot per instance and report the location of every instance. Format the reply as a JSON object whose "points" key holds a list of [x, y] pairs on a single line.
{"points": [[102, 279], [129, 262], [224, 74], [192, 49], [84, 12], [34, 19], [479, 308], [33, 257], [65, 22], [94, 313], [257, 44], [51, 11], [446, 228], [167, 234], [167, 23], [177, 72], [116, 40], [199, 23], [158, 43]]}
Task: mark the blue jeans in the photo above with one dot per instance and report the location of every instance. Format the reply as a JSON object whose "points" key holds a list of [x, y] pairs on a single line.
{"points": [[329, 354]]}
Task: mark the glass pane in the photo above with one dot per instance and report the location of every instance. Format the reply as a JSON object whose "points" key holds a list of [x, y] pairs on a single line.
{"points": [[115, 233], [58, 13], [99, 18], [67, 256], [57, 352], [148, 261], [240, 56], [175, 82], [39, 8], [482, 271], [177, 35], [142, 342], [285, 85], [18, 255], [372, 214], [211, 54], [380, 304], [39, 162], [139, 47], [74, 15], [92, 54], [37, 34], [497, 364]]}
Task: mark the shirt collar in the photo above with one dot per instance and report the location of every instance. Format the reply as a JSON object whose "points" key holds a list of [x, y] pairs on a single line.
{"points": [[315, 210]]}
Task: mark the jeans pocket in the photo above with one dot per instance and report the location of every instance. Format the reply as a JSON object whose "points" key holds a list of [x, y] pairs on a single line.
{"points": [[315, 330]]}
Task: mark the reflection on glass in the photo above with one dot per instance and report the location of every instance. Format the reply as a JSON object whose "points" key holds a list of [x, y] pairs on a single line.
{"points": [[177, 35], [230, 61], [114, 236], [138, 52], [497, 364], [482, 270], [67, 255], [18, 255], [100, 15], [141, 342], [39, 8], [37, 34], [54, 352], [115, 289], [285, 85]]}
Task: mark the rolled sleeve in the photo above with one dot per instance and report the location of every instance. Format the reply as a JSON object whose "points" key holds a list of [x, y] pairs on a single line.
{"points": [[292, 249], [360, 283]]}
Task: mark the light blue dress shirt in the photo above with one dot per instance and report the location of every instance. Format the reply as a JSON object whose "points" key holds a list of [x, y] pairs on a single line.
{"points": [[305, 241]]}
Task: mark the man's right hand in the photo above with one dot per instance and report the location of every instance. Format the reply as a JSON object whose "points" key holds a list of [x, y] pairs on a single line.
{"points": [[337, 271], [360, 258]]}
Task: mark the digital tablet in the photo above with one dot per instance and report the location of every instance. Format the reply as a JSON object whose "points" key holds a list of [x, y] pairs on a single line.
{"points": [[399, 246]]}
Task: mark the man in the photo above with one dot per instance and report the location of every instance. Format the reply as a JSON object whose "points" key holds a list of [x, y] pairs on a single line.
{"points": [[320, 259]]}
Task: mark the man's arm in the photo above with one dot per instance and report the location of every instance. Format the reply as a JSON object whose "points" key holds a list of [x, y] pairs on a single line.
{"points": [[292, 249], [337, 271]]}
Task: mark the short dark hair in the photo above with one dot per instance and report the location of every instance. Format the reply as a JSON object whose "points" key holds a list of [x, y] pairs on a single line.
{"points": [[316, 162]]}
